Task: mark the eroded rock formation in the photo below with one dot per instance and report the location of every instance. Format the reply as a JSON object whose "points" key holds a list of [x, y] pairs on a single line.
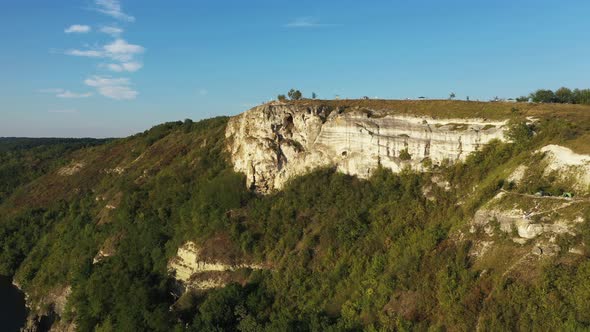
{"points": [[273, 142]]}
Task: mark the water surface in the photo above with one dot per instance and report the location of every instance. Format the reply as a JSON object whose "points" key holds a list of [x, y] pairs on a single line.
{"points": [[13, 312]]}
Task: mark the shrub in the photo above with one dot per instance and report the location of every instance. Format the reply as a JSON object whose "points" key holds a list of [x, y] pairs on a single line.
{"points": [[294, 94], [405, 155]]}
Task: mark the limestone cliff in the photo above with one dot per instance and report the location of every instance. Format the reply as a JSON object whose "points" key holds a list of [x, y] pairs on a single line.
{"points": [[273, 142]]}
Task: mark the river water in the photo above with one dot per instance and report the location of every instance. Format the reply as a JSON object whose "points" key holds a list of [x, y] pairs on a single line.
{"points": [[12, 306]]}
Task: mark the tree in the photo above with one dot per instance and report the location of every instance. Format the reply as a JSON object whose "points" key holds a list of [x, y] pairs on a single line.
{"points": [[581, 96], [543, 96], [564, 95], [452, 96], [281, 98], [313, 95], [522, 99], [188, 124], [294, 94], [520, 133]]}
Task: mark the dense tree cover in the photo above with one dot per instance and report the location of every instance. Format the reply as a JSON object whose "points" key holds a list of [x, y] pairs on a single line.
{"points": [[562, 95], [343, 253], [24, 159]]}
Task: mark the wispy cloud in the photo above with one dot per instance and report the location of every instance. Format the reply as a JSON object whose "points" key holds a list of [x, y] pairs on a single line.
{"points": [[77, 28], [125, 66], [119, 50], [113, 31], [86, 53], [122, 50], [62, 93], [114, 88], [203, 92], [119, 54], [307, 22], [70, 94], [113, 8]]}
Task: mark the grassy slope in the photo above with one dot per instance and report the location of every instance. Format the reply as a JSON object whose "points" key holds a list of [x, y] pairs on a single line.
{"points": [[459, 109]]}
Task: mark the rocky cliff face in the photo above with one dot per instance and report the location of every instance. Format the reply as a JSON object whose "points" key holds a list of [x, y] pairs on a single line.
{"points": [[273, 142]]}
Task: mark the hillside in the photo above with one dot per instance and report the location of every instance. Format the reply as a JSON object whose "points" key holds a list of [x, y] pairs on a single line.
{"points": [[313, 215]]}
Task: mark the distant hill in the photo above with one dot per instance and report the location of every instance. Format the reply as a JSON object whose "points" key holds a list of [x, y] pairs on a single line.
{"points": [[23, 143]]}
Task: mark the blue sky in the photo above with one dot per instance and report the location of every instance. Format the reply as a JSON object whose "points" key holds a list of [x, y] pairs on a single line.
{"points": [[112, 68]]}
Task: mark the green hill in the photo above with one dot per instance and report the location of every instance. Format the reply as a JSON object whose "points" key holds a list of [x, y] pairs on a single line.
{"points": [[90, 235]]}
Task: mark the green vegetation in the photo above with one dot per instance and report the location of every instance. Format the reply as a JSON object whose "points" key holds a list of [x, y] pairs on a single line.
{"points": [[24, 159], [405, 155], [343, 254], [294, 94], [562, 96]]}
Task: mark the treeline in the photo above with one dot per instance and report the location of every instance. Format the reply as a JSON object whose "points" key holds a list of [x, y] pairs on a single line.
{"points": [[560, 96], [25, 143]]}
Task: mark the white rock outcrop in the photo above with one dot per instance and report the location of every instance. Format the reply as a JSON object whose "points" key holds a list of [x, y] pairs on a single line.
{"points": [[273, 142], [568, 164], [516, 220], [73, 168], [195, 272]]}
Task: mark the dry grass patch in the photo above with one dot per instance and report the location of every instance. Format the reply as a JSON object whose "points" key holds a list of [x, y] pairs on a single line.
{"points": [[457, 109]]}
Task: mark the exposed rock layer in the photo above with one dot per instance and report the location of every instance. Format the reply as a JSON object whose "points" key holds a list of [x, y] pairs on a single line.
{"points": [[273, 142], [197, 272]]}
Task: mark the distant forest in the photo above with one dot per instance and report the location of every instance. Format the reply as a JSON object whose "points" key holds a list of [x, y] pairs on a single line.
{"points": [[24, 159]]}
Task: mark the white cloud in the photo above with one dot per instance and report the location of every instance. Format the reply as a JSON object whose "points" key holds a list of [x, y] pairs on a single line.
{"points": [[203, 92], [113, 9], [86, 53], [113, 31], [114, 88], [98, 81], [307, 22], [77, 28], [119, 50], [62, 93], [125, 66]]}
